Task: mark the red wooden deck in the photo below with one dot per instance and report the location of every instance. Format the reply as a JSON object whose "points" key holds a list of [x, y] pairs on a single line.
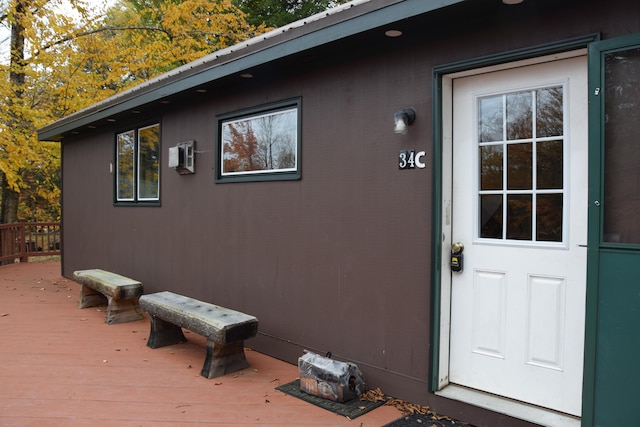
{"points": [[61, 366]]}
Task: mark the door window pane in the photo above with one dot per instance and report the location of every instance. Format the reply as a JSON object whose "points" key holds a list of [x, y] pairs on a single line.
{"points": [[549, 165], [549, 218], [491, 216], [491, 167], [621, 151], [549, 112], [519, 115], [491, 121], [519, 166], [519, 217]]}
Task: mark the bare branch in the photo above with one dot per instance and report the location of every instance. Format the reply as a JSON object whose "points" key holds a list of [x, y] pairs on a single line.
{"points": [[169, 34], [102, 29]]}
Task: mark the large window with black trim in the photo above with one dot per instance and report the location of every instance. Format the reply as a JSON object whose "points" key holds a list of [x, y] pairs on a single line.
{"points": [[259, 144], [138, 165]]}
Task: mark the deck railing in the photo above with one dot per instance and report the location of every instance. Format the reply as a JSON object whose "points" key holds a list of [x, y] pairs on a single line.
{"points": [[21, 240]]}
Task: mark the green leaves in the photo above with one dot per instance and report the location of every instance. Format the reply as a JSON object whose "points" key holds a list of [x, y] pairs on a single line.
{"points": [[277, 13]]}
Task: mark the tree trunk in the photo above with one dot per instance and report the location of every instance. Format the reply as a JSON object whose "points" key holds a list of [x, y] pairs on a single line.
{"points": [[9, 204], [8, 214], [9, 196]]}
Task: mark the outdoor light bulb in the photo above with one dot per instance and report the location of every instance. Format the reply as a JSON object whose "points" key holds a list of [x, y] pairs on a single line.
{"points": [[400, 123], [403, 119]]}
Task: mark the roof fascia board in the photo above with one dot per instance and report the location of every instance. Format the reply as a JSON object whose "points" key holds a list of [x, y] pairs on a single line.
{"points": [[145, 94]]}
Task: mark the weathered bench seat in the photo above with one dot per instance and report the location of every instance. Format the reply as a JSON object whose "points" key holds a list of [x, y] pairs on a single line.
{"points": [[224, 329], [119, 293]]}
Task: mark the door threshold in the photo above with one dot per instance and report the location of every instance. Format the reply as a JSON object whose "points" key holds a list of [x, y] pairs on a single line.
{"points": [[512, 408]]}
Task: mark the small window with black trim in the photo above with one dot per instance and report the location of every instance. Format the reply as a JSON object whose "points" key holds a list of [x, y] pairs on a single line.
{"points": [[137, 178], [259, 144]]}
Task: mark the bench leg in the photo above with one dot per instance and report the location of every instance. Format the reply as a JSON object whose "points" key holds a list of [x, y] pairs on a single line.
{"points": [[124, 310], [164, 333], [223, 359], [90, 297]]}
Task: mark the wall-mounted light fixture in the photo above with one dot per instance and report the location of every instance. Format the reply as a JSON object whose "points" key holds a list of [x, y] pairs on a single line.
{"points": [[403, 119]]}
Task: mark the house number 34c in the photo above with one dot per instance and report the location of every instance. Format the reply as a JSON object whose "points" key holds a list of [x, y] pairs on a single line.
{"points": [[411, 159]]}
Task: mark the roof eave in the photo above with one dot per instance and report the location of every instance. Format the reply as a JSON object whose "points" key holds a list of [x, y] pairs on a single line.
{"points": [[222, 65]]}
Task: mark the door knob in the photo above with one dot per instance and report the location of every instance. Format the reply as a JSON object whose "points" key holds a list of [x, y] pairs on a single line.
{"points": [[457, 248]]}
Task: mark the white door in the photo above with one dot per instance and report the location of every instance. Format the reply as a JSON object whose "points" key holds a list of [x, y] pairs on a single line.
{"points": [[519, 207]]}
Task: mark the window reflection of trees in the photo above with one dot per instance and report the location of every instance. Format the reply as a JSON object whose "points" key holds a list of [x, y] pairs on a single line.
{"points": [[149, 166], [529, 125], [549, 109], [491, 167], [261, 144], [519, 116], [491, 119], [125, 163]]}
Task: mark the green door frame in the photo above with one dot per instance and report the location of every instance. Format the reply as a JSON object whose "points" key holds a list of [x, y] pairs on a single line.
{"points": [[596, 245], [437, 191]]}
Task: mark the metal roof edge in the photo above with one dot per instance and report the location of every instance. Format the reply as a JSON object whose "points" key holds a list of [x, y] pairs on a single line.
{"points": [[221, 63]]}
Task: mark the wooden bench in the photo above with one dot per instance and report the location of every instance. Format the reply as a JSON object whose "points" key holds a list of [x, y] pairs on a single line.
{"points": [[120, 294], [224, 329]]}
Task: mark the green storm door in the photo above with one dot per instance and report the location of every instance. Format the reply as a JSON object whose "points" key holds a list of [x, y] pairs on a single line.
{"points": [[614, 234]]}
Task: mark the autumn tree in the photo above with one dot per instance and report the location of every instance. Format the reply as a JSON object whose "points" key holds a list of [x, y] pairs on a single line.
{"points": [[24, 93], [65, 55], [68, 54]]}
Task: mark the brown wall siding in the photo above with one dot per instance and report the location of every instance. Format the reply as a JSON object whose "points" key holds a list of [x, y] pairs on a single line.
{"points": [[324, 262], [338, 261]]}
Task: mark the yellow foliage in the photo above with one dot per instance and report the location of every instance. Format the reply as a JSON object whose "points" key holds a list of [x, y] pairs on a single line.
{"points": [[74, 58]]}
